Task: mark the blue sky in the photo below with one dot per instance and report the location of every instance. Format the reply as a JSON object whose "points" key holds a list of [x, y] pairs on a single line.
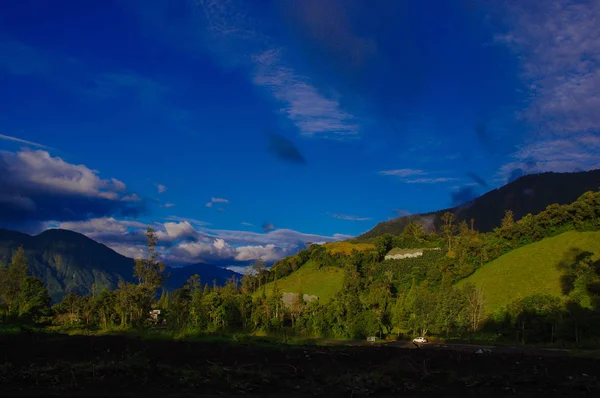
{"points": [[241, 129]]}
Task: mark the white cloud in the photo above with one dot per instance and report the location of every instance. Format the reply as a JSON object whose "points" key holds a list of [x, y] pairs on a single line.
{"points": [[247, 224], [219, 200], [350, 217], [402, 172], [202, 251], [174, 231], [190, 220], [311, 112], [235, 40], [131, 198], [161, 188], [107, 224], [429, 180], [266, 253], [15, 139], [53, 174], [240, 269], [129, 250], [558, 45], [579, 152], [182, 242], [59, 190], [168, 205]]}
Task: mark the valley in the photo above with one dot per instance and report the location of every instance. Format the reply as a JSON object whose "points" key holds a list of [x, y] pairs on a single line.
{"points": [[514, 300]]}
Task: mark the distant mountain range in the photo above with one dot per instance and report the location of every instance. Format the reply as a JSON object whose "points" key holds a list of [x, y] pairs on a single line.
{"points": [[69, 261], [528, 194]]}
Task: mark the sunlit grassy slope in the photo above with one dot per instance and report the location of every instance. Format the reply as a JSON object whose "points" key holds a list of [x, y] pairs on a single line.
{"points": [[324, 282], [347, 247], [530, 269]]}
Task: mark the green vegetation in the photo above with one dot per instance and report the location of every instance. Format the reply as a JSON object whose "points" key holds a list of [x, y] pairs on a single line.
{"points": [[362, 294], [347, 248], [321, 282], [529, 270]]}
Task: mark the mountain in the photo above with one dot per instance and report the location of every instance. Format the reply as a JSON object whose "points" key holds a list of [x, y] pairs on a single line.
{"points": [[528, 194], [69, 261]]}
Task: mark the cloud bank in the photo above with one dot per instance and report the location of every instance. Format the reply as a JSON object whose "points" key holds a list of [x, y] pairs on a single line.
{"points": [[35, 186]]}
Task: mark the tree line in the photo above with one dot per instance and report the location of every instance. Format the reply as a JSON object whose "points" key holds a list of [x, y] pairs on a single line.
{"points": [[413, 296]]}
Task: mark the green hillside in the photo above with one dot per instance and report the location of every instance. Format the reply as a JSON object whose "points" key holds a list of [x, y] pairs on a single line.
{"points": [[530, 269], [324, 282]]}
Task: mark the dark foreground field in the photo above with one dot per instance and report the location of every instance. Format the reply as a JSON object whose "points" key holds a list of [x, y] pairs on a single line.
{"points": [[43, 364]]}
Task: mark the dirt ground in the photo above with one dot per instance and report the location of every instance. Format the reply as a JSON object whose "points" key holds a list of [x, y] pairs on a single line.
{"points": [[43, 364]]}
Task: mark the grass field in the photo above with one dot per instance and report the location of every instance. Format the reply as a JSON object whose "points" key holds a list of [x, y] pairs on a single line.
{"points": [[530, 269], [324, 282], [347, 247]]}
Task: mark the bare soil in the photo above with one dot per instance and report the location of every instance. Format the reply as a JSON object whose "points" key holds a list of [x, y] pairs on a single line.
{"points": [[46, 365]]}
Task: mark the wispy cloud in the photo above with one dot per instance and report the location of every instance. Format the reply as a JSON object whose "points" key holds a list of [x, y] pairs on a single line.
{"points": [[217, 200], [407, 176], [350, 217], [402, 172], [192, 221], [161, 188], [560, 155], [168, 205], [22, 141], [558, 45], [313, 112], [430, 180], [247, 224]]}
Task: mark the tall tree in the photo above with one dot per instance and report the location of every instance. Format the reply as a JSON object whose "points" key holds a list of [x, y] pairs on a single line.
{"points": [[70, 304], [448, 228], [150, 271], [12, 277], [509, 220], [259, 269], [475, 305], [193, 283], [34, 300]]}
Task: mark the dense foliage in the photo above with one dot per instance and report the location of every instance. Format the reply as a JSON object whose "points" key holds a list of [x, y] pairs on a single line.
{"points": [[411, 296]]}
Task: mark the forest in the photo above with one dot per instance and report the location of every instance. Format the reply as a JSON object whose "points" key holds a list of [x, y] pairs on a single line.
{"points": [[385, 298]]}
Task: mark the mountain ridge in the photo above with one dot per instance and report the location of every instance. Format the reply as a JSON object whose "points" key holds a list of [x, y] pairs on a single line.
{"points": [[527, 194], [70, 261]]}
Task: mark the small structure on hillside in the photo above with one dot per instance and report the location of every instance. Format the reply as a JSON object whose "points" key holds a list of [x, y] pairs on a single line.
{"points": [[154, 316], [372, 339], [399, 254], [289, 298], [309, 298]]}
